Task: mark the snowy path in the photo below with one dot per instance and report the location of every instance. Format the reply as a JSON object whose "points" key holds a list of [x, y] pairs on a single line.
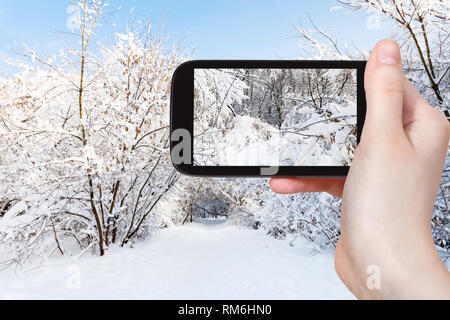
{"points": [[192, 262]]}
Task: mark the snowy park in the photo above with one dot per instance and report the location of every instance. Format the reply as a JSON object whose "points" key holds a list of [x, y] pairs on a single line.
{"points": [[91, 206]]}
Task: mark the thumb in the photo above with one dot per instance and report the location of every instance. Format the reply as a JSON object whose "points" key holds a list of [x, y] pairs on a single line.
{"points": [[384, 91]]}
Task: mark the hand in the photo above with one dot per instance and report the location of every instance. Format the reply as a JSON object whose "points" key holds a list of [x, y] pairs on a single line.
{"points": [[388, 196]]}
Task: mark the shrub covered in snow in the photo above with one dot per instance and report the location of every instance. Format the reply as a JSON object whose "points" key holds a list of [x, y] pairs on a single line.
{"points": [[83, 143]]}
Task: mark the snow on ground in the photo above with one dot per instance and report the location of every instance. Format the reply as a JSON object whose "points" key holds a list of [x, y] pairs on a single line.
{"points": [[198, 261]]}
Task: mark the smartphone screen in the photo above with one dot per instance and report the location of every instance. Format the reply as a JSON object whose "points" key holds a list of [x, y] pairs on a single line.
{"points": [[303, 118], [274, 117]]}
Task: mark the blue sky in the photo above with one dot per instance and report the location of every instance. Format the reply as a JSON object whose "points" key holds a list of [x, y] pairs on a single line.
{"points": [[246, 29]]}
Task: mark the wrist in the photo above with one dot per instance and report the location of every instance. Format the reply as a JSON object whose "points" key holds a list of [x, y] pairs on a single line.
{"points": [[398, 267]]}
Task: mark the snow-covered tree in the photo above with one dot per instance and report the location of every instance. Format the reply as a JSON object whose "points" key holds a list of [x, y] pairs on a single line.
{"points": [[84, 143], [422, 30]]}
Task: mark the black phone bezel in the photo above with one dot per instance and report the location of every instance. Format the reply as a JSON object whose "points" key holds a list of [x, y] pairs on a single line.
{"points": [[182, 110]]}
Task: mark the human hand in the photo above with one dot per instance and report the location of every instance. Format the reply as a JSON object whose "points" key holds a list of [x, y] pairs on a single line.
{"points": [[388, 196]]}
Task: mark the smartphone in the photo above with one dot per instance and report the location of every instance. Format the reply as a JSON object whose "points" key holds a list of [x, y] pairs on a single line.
{"points": [[265, 118]]}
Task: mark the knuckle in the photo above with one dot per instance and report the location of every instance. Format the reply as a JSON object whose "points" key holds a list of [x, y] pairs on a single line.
{"points": [[387, 85]]}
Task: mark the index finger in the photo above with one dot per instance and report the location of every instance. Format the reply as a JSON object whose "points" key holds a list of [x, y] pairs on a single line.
{"points": [[333, 186]]}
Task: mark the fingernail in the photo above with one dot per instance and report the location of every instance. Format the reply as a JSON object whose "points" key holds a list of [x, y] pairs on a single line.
{"points": [[388, 52]]}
